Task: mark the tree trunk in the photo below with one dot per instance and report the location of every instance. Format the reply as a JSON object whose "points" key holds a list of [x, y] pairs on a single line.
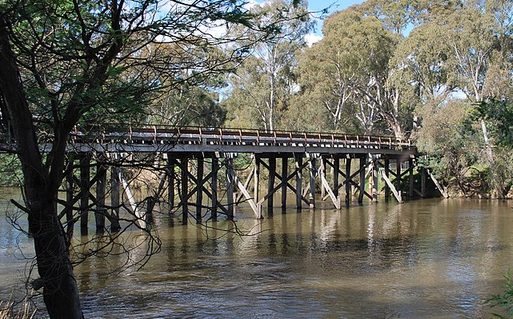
{"points": [[498, 190], [60, 291], [272, 98]]}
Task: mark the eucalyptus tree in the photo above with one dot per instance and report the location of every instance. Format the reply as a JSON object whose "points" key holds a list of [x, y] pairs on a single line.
{"points": [[348, 72], [420, 63], [65, 60], [325, 77], [187, 104], [396, 16], [459, 53], [261, 87], [471, 45]]}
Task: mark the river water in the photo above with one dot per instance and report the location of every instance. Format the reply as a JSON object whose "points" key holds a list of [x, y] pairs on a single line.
{"points": [[421, 259]]}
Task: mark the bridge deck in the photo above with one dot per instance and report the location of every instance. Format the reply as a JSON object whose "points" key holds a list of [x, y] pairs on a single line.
{"points": [[193, 140]]}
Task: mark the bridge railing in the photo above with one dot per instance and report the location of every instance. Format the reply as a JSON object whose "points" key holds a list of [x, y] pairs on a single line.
{"points": [[234, 136]]}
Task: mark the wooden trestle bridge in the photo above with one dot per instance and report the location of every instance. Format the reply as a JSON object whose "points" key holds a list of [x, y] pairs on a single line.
{"points": [[199, 160]]}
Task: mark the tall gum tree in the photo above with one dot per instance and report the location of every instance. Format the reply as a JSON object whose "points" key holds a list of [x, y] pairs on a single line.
{"points": [[419, 70], [64, 59], [460, 50], [325, 78], [352, 72], [266, 81], [475, 54]]}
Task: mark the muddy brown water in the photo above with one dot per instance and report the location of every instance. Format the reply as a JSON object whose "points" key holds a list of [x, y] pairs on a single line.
{"points": [[421, 259]]}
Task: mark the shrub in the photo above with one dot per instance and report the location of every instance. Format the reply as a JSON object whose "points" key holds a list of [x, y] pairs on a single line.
{"points": [[505, 299]]}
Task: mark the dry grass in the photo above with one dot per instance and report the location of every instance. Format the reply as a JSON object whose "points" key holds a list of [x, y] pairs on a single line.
{"points": [[10, 310]]}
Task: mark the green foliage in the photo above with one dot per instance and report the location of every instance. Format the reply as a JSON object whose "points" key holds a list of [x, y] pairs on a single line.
{"points": [[242, 161], [499, 118], [263, 85], [448, 139], [503, 300], [501, 172], [10, 171], [395, 15], [89, 63], [187, 105]]}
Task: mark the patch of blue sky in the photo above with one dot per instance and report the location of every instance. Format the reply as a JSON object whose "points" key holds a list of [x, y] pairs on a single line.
{"points": [[320, 10], [323, 8]]}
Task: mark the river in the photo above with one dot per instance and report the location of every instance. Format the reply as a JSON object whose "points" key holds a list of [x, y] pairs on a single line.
{"points": [[421, 259]]}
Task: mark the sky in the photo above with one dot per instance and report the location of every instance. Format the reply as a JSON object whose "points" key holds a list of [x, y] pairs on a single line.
{"points": [[316, 6], [334, 5]]}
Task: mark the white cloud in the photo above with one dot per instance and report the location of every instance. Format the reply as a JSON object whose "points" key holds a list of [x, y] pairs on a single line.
{"points": [[311, 38]]}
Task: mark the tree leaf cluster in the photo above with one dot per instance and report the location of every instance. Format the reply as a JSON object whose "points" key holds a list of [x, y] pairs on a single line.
{"points": [[499, 117]]}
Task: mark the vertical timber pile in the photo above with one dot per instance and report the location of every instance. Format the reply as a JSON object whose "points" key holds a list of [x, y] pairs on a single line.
{"points": [[387, 173], [171, 162], [299, 180], [423, 178], [184, 166], [101, 211], [336, 174], [322, 172], [313, 173], [214, 183], [348, 180], [284, 172], [398, 175], [114, 197], [230, 182], [85, 162], [199, 189], [375, 175], [270, 187], [362, 180], [256, 181], [410, 176]]}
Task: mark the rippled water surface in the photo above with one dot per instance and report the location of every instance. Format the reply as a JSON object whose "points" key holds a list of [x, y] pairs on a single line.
{"points": [[422, 259]]}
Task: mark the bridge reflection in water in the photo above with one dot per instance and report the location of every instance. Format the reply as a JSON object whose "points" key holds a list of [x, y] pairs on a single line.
{"points": [[197, 161]]}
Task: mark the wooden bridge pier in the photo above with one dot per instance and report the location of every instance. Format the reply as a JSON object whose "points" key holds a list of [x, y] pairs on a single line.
{"points": [[94, 188], [198, 164], [329, 176], [194, 183], [199, 183]]}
